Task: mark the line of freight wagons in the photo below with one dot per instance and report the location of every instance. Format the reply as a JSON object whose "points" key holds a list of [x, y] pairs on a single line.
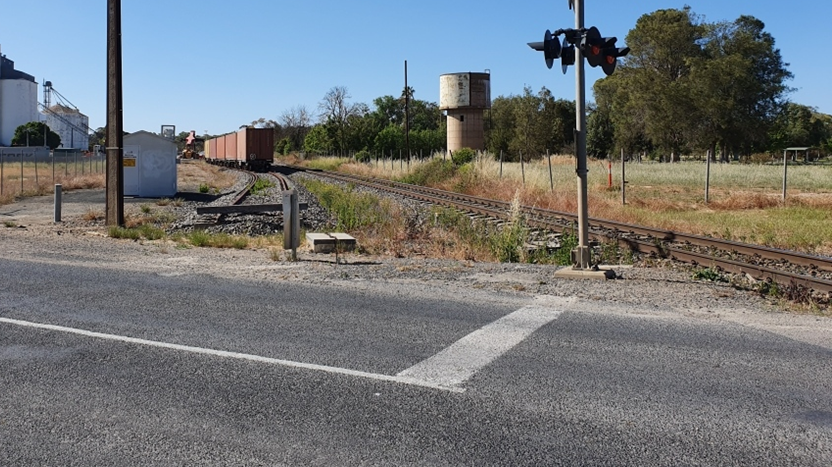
{"points": [[249, 148]]}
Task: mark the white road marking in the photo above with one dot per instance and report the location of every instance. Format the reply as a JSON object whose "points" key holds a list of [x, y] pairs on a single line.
{"points": [[446, 370], [224, 353], [456, 364]]}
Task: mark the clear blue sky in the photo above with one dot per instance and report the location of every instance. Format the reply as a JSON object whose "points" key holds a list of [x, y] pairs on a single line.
{"points": [[215, 65]]}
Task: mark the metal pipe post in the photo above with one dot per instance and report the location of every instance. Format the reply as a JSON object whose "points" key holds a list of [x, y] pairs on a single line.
{"points": [[582, 256], [58, 192], [291, 222]]}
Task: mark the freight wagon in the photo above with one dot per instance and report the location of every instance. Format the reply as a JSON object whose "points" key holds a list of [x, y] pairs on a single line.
{"points": [[249, 148]]}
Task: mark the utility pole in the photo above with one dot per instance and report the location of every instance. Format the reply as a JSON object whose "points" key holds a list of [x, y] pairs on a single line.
{"points": [[115, 124], [406, 114]]}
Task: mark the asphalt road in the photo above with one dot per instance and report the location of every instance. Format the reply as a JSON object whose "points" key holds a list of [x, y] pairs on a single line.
{"points": [[107, 367]]}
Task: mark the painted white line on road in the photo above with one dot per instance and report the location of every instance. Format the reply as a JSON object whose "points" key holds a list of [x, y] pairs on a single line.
{"points": [[226, 354], [446, 370], [456, 364]]}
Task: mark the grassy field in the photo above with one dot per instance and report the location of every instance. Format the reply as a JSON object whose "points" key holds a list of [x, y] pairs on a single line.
{"points": [[745, 201], [35, 179]]}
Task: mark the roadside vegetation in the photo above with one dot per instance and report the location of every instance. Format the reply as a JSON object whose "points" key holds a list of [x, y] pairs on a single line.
{"points": [[745, 200], [386, 228]]}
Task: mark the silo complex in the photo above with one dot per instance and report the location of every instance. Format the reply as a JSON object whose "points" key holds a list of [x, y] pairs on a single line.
{"points": [[465, 96]]}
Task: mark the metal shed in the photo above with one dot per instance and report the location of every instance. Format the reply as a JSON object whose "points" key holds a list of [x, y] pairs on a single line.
{"points": [[149, 165]]}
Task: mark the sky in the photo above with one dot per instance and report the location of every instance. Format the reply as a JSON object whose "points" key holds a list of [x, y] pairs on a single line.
{"points": [[212, 66]]}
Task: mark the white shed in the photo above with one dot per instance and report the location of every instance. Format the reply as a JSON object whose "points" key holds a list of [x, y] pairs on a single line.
{"points": [[149, 165]]}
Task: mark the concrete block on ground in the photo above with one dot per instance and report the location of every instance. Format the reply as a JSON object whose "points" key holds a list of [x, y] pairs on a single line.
{"points": [[327, 242], [320, 242], [599, 274], [345, 242]]}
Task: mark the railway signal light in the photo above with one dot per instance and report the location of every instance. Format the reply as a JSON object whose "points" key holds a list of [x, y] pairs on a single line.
{"points": [[567, 57], [550, 47], [598, 50], [601, 50], [611, 58]]}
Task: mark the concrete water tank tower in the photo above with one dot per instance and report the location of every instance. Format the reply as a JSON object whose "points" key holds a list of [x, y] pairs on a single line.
{"points": [[465, 96]]}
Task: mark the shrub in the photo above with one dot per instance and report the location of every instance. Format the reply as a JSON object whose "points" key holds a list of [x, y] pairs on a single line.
{"points": [[432, 173], [260, 186], [352, 210], [463, 156], [508, 244], [204, 188], [363, 156]]}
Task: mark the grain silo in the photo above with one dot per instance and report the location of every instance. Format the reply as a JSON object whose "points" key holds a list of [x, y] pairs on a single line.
{"points": [[465, 96]]}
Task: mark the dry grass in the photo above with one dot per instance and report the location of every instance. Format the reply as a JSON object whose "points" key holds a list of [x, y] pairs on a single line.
{"points": [[38, 181], [745, 201], [191, 175]]}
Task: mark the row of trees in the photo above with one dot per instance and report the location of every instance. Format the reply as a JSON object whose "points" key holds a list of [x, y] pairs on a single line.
{"points": [[688, 86], [35, 134]]}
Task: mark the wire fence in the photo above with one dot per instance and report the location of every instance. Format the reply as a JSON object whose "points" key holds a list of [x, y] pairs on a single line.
{"points": [[31, 171]]}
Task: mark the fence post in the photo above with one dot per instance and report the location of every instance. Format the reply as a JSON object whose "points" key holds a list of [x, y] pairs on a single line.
{"points": [[785, 171], [551, 179], [708, 176], [522, 168], [501, 163], [623, 180]]}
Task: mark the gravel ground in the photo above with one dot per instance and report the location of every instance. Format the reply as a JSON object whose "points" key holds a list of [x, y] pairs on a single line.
{"points": [[30, 233]]}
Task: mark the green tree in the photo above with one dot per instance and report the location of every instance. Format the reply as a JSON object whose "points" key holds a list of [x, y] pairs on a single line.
{"points": [[687, 85], [32, 134], [317, 140], [740, 85], [98, 137], [600, 136], [336, 114], [391, 138]]}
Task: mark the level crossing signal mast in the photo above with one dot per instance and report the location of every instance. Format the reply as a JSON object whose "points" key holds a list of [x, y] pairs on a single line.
{"points": [[598, 50]]}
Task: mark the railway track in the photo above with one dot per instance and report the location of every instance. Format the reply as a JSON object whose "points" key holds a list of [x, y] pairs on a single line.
{"points": [[786, 268]]}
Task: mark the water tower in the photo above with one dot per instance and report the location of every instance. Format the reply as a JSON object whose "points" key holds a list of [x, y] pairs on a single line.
{"points": [[465, 96]]}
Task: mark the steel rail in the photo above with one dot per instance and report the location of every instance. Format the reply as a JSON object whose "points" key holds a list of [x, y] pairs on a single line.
{"points": [[546, 218], [774, 254], [241, 195]]}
